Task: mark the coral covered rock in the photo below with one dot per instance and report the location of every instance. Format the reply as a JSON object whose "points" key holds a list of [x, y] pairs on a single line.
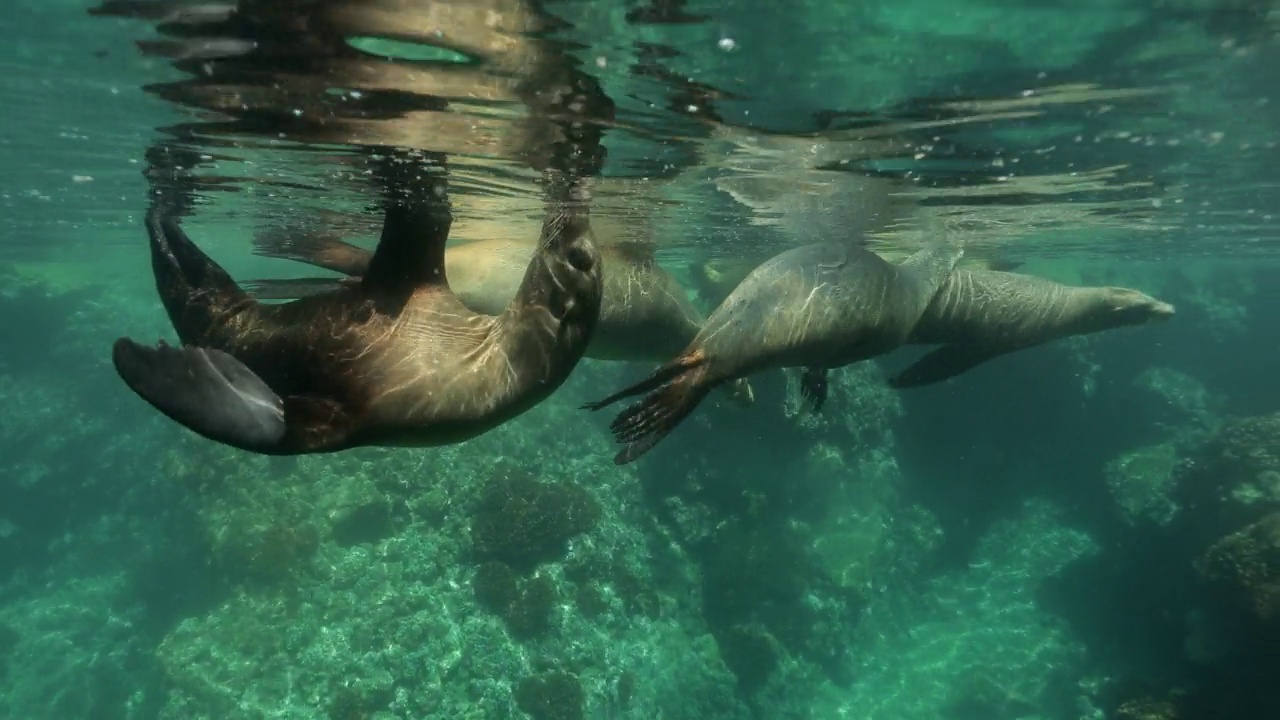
{"points": [[523, 521], [551, 696], [1140, 482], [266, 554], [1148, 709], [751, 653], [526, 610], [367, 521], [1245, 568], [1234, 478]]}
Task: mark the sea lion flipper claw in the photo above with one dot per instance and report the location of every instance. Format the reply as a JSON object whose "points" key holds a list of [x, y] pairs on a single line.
{"points": [[813, 387], [206, 390], [943, 363]]}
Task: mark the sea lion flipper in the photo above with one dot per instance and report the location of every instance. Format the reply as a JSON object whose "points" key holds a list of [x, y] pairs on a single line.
{"points": [[945, 362], [323, 249], [178, 262], [813, 387], [292, 288], [206, 390], [410, 252], [657, 378], [415, 226], [643, 425]]}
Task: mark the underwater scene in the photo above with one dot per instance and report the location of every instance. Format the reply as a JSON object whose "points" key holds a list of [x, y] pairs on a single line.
{"points": [[649, 359]]}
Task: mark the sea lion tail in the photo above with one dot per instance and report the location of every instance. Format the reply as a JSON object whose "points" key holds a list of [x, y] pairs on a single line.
{"points": [[644, 425]]}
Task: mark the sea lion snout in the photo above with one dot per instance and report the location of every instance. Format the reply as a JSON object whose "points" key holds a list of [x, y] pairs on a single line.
{"points": [[1137, 308], [1161, 311]]}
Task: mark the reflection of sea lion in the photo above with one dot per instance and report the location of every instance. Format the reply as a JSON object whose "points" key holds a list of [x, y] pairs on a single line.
{"points": [[819, 307], [980, 314], [395, 359], [644, 314]]}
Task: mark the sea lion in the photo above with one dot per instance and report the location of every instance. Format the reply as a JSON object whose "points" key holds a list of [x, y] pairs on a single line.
{"points": [[645, 315], [819, 307], [981, 314], [394, 359]]}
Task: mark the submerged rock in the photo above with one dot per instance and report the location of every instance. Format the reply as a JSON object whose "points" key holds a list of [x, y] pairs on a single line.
{"points": [[1140, 482], [1244, 568], [1234, 478]]}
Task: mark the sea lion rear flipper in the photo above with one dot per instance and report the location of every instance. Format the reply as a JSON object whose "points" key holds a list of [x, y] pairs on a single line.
{"points": [[657, 378], [292, 288], [813, 387], [206, 390], [643, 425], [945, 362]]}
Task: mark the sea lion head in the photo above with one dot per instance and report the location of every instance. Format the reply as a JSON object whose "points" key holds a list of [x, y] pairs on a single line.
{"points": [[577, 270], [1125, 306]]}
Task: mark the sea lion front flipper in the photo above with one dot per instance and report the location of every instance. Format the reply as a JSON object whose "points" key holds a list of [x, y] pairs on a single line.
{"points": [[206, 390], [319, 248], [813, 387], [945, 362], [293, 288]]}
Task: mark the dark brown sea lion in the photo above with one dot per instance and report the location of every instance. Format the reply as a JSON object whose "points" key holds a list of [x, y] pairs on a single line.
{"points": [[818, 307], [981, 314], [645, 315], [394, 359]]}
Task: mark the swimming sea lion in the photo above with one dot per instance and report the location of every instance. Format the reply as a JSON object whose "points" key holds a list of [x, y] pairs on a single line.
{"points": [[394, 359], [818, 307], [981, 314], [644, 313]]}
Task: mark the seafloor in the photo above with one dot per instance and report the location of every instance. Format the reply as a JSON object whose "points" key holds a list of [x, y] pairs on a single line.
{"points": [[899, 556]]}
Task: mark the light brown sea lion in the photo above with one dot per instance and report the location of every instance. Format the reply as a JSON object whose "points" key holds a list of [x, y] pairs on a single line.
{"points": [[818, 307], [981, 314], [395, 359]]}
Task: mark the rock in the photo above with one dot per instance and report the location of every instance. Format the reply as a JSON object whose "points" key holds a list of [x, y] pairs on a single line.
{"points": [[1244, 569]]}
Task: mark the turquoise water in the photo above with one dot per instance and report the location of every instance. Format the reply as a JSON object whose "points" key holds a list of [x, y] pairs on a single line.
{"points": [[1085, 529]]}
